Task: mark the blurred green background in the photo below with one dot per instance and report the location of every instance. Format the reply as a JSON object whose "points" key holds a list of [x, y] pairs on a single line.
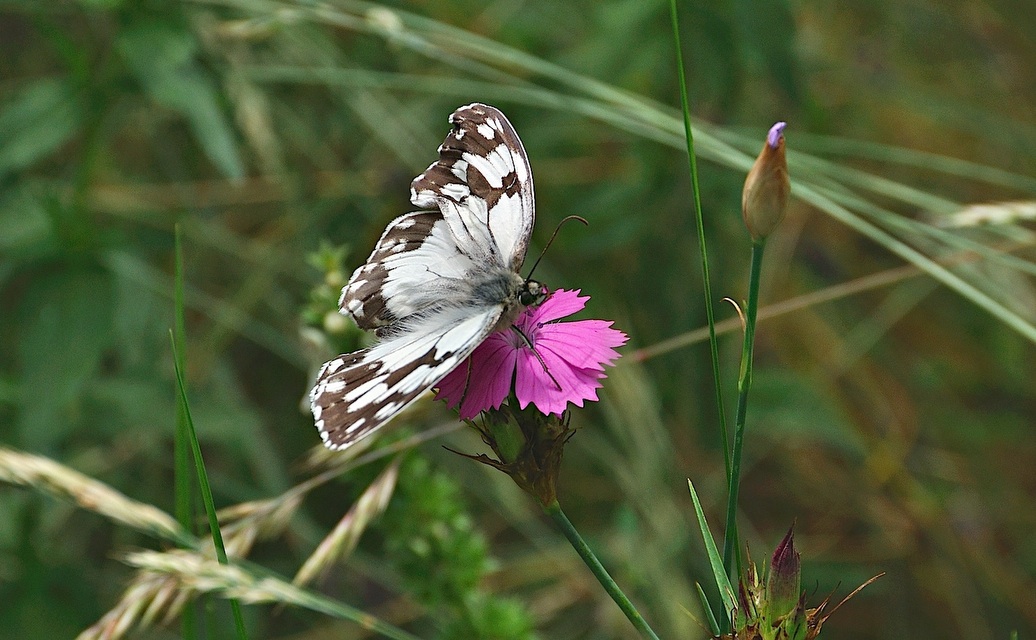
{"points": [[892, 417]]}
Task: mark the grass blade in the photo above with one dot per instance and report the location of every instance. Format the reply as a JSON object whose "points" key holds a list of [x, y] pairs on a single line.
{"points": [[203, 482], [707, 608], [183, 489], [726, 591], [710, 314]]}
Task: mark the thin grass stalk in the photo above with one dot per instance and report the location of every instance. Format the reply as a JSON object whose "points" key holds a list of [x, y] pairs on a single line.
{"points": [[707, 608], [182, 489], [181, 448], [586, 553], [731, 545], [206, 490], [710, 313]]}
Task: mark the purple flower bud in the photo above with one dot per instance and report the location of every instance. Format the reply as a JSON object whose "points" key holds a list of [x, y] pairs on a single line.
{"points": [[773, 138], [783, 580], [765, 196]]}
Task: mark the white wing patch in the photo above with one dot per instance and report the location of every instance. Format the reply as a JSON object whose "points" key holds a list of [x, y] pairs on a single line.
{"points": [[487, 131]]}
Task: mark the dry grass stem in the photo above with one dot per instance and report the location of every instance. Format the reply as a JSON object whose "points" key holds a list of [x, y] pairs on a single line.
{"points": [[148, 598], [832, 293], [62, 482], [993, 213], [243, 524], [343, 539], [195, 573]]}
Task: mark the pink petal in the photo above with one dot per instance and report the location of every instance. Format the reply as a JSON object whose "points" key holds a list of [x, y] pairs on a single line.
{"points": [[559, 304], [451, 388], [585, 344], [492, 370], [534, 385], [483, 380], [574, 354]]}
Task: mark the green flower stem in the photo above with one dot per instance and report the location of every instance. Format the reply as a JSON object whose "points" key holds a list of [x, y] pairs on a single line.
{"points": [[558, 516], [731, 546]]}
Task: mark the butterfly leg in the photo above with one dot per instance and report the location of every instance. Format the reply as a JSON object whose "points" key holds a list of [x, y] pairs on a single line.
{"points": [[539, 358], [467, 384]]}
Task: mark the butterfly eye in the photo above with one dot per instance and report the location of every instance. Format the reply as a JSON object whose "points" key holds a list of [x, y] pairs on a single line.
{"points": [[532, 293]]}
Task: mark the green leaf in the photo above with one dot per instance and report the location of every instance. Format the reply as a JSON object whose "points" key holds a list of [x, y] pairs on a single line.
{"points": [[68, 320], [726, 592], [24, 223], [163, 59], [36, 121], [203, 474], [102, 5]]}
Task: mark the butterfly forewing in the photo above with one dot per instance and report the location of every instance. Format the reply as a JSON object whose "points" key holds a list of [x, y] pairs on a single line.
{"points": [[415, 265], [437, 282], [482, 183], [358, 392]]}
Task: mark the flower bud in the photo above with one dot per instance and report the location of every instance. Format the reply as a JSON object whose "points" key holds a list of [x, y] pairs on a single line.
{"points": [[335, 323], [504, 435], [784, 577], [796, 624], [529, 445], [765, 196]]}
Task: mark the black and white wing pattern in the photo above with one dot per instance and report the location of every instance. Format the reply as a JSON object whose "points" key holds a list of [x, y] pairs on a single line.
{"points": [[438, 282]]}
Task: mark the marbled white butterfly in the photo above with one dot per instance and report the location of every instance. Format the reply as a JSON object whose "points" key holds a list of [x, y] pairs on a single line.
{"points": [[438, 282]]}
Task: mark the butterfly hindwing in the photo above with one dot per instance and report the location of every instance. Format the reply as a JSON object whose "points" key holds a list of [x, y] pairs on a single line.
{"points": [[437, 282]]}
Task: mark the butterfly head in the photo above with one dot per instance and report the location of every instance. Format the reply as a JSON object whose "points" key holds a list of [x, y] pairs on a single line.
{"points": [[532, 293]]}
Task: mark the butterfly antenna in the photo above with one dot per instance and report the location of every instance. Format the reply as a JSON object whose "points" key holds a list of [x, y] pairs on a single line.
{"points": [[551, 241]]}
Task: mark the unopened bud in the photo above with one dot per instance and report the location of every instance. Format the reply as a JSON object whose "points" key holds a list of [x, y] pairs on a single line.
{"points": [[335, 323], [529, 445], [504, 434], [765, 197], [784, 578], [334, 278]]}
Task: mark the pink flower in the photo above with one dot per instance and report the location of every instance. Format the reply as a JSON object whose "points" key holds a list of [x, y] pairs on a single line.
{"points": [[549, 364]]}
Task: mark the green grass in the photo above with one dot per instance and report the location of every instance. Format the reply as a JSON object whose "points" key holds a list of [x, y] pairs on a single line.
{"points": [[891, 400]]}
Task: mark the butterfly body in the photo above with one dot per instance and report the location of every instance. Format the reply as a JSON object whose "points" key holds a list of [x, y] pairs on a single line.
{"points": [[438, 282]]}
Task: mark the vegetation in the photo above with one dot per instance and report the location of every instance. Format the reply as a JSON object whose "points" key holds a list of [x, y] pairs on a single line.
{"points": [[892, 400]]}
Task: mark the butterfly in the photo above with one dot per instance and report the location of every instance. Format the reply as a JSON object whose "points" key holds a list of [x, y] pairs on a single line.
{"points": [[438, 281]]}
